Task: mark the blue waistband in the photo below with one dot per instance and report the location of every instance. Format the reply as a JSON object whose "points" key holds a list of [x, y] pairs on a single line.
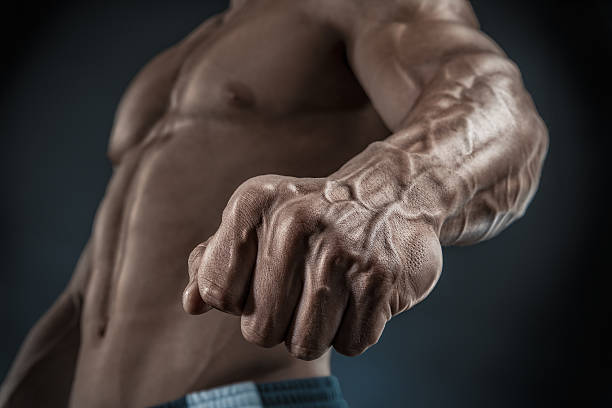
{"points": [[316, 392]]}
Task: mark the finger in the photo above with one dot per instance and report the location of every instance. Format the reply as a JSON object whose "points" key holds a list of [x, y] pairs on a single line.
{"points": [[192, 301], [225, 271], [366, 314], [277, 280], [321, 306], [227, 264]]}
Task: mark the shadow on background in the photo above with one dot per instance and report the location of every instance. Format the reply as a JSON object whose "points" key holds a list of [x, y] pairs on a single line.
{"points": [[522, 320]]}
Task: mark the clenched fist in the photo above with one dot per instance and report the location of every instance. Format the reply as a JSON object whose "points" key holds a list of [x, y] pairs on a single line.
{"points": [[315, 262]]}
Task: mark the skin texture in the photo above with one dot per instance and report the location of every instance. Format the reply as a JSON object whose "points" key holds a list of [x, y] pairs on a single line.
{"points": [[343, 143]]}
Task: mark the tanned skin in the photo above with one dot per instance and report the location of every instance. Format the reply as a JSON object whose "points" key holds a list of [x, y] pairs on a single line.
{"points": [[343, 141]]}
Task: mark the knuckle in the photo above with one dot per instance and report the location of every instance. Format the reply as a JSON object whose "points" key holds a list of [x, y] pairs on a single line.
{"points": [[350, 350], [357, 339], [254, 336], [287, 187], [219, 297], [303, 352], [248, 198], [260, 184], [252, 184], [369, 339], [238, 206], [357, 346]]}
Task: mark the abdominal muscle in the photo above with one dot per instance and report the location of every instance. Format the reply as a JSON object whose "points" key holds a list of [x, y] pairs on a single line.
{"points": [[138, 346]]}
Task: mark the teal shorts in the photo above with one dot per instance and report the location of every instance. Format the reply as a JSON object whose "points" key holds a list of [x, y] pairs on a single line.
{"points": [[316, 392]]}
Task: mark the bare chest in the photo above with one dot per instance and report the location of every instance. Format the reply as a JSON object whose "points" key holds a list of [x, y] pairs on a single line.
{"points": [[256, 62]]}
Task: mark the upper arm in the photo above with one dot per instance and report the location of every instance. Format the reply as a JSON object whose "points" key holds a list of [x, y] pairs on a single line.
{"points": [[396, 52], [43, 370], [82, 271]]}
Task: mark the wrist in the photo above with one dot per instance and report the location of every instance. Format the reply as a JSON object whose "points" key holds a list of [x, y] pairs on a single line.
{"points": [[385, 176]]}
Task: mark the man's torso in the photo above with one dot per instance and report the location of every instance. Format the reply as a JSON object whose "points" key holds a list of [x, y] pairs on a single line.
{"points": [[255, 91]]}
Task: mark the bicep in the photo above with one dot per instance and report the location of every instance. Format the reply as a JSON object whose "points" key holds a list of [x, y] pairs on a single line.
{"points": [[64, 315], [394, 60], [44, 367], [82, 271]]}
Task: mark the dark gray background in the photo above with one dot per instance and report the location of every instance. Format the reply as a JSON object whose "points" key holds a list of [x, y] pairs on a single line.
{"points": [[522, 320]]}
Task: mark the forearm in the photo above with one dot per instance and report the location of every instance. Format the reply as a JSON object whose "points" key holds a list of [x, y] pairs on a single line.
{"points": [[467, 156], [43, 370]]}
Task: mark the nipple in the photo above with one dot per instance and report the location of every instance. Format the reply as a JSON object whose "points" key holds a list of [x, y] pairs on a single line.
{"points": [[239, 95]]}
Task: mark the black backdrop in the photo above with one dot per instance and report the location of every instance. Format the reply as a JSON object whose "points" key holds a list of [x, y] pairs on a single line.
{"points": [[522, 320]]}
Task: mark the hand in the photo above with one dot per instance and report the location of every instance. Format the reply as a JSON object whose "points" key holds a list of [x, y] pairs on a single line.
{"points": [[308, 263]]}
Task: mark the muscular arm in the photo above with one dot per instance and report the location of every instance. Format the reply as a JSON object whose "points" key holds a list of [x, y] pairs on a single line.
{"points": [[43, 371], [468, 144], [320, 262]]}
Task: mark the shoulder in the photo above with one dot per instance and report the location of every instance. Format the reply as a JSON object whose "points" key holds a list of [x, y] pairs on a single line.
{"points": [[354, 17]]}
